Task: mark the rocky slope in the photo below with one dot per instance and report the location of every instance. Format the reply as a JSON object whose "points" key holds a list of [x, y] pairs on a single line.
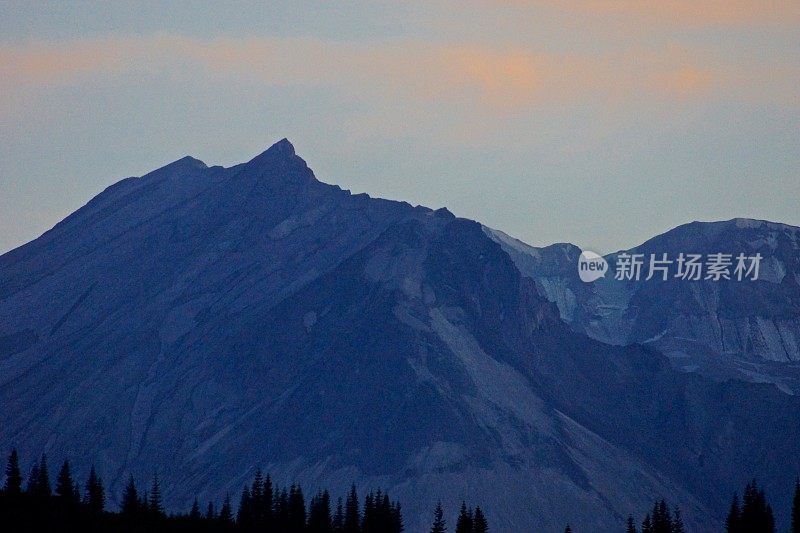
{"points": [[202, 321], [724, 329]]}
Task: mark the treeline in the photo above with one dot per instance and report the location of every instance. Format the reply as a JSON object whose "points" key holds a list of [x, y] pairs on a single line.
{"points": [[468, 521], [262, 507], [36, 505], [661, 519], [752, 515]]}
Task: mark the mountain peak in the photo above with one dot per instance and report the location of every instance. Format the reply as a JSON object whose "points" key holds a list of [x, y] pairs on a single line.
{"points": [[284, 146], [280, 164], [182, 166], [185, 163], [282, 149]]}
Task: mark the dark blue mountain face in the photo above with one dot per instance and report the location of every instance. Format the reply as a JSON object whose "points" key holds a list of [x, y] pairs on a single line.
{"points": [[205, 321]]}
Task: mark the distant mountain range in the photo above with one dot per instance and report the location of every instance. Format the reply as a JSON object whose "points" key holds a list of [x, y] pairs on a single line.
{"points": [[724, 329], [203, 321]]}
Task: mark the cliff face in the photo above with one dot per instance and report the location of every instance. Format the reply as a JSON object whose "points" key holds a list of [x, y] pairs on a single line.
{"points": [[724, 329]]}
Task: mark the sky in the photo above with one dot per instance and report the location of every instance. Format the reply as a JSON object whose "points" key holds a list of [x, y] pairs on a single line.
{"points": [[596, 122]]}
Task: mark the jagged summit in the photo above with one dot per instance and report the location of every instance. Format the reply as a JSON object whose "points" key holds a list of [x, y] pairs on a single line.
{"points": [[279, 164], [282, 149], [283, 146]]}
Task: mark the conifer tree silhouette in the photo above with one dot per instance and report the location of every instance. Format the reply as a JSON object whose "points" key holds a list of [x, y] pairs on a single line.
{"points": [[257, 500], [795, 524], [733, 522], [281, 507], [756, 514], [368, 524], [226, 512], [338, 517], [131, 504], [155, 504], [267, 503], [319, 515], [244, 517], [464, 521], [194, 513], [351, 513], [439, 525], [480, 525], [65, 487], [43, 489], [647, 524], [95, 497], [13, 484], [397, 518], [297, 510], [211, 513], [662, 521]]}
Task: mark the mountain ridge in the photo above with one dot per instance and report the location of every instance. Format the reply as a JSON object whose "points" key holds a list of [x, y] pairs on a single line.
{"points": [[724, 329], [209, 320]]}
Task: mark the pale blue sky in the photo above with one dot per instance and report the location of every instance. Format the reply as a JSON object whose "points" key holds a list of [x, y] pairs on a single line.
{"points": [[597, 122]]}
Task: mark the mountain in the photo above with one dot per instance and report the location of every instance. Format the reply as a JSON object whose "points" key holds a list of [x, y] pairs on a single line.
{"points": [[724, 329], [201, 321]]}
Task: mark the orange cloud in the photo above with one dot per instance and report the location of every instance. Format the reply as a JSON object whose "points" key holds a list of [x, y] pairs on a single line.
{"points": [[685, 81], [43, 64], [491, 78]]}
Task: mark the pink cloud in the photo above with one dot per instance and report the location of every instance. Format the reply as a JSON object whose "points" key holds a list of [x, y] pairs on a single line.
{"points": [[493, 79]]}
